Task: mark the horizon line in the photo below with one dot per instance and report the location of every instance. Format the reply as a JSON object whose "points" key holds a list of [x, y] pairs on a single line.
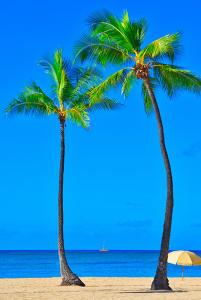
{"points": [[97, 250]]}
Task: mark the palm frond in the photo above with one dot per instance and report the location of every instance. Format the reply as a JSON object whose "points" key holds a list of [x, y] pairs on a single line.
{"points": [[128, 82], [166, 46], [74, 90], [86, 79], [54, 66], [32, 100], [123, 33], [112, 81], [105, 104], [173, 78], [135, 31], [106, 26], [96, 18], [125, 21], [78, 114], [61, 71], [94, 49]]}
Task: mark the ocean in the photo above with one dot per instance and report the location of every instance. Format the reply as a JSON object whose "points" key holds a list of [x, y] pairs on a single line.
{"points": [[19, 264]]}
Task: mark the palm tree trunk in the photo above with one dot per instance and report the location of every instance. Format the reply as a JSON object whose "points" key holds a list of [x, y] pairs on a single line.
{"points": [[160, 281], [68, 277]]}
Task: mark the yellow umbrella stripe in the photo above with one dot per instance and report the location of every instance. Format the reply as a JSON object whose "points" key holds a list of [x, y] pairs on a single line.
{"points": [[184, 258]]}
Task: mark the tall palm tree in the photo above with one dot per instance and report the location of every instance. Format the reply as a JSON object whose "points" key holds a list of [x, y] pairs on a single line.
{"points": [[70, 101], [120, 42]]}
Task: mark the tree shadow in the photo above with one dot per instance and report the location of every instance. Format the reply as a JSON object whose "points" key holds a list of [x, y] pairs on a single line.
{"points": [[153, 292]]}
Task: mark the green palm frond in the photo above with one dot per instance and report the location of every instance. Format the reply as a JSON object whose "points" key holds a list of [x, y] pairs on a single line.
{"points": [[54, 66], [96, 18], [173, 78], [125, 21], [74, 89], [128, 83], [123, 33], [135, 31], [93, 48], [86, 79], [106, 27], [119, 41], [32, 100], [104, 103], [60, 71], [78, 114], [166, 46], [112, 81]]}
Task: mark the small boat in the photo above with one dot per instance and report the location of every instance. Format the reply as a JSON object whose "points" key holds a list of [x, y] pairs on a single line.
{"points": [[103, 249]]}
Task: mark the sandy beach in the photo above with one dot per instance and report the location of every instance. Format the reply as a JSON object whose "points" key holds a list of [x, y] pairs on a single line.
{"points": [[97, 289]]}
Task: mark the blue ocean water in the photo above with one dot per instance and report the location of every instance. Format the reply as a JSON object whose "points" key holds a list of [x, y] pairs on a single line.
{"points": [[16, 264]]}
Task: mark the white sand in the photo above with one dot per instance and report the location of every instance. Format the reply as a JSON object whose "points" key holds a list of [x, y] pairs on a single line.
{"points": [[98, 289]]}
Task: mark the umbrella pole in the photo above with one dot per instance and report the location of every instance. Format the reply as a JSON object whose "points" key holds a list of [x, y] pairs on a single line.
{"points": [[182, 273]]}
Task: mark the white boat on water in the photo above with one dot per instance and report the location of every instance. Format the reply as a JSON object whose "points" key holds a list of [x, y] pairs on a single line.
{"points": [[103, 249]]}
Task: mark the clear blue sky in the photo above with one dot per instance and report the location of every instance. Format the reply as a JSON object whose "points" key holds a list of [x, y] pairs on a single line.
{"points": [[114, 181]]}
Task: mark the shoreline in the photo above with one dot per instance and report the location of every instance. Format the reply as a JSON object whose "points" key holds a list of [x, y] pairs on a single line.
{"points": [[98, 288]]}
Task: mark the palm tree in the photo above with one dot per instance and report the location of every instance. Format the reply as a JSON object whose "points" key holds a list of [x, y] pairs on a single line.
{"points": [[120, 42], [71, 88]]}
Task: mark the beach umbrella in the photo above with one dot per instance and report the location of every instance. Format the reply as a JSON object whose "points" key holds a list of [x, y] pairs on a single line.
{"points": [[184, 258]]}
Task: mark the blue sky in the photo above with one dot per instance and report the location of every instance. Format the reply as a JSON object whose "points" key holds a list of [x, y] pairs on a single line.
{"points": [[115, 186]]}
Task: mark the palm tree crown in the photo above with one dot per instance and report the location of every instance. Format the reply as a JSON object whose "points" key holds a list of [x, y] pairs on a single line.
{"points": [[71, 100], [71, 89], [121, 42]]}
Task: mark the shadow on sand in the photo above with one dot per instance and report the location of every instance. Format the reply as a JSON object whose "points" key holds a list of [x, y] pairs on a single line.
{"points": [[152, 292]]}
